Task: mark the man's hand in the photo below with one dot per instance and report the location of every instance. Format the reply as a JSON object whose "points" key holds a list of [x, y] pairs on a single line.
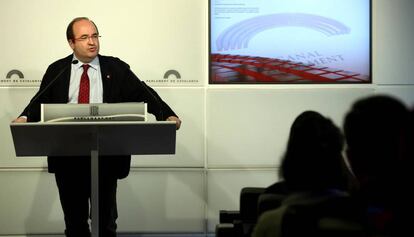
{"points": [[20, 120], [176, 120]]}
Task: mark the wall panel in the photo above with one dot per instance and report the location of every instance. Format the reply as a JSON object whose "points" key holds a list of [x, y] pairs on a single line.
{"points": [[249, 127], [29, 203], [149, 200], [392, 45], [188, 103], [162, 201], [13, 101]]}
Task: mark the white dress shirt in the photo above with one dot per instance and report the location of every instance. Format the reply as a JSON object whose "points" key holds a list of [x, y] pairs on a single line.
{"points": [[95, 81]]}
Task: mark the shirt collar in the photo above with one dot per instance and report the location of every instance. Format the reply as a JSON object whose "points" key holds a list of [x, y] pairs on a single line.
{"points": [[94, 63]]}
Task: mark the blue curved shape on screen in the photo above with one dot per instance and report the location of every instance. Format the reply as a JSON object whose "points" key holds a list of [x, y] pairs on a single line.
{"points": [[238, 35]]}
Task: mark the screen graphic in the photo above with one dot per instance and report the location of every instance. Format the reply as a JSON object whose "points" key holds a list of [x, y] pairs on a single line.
{"points": [[290, 41]]}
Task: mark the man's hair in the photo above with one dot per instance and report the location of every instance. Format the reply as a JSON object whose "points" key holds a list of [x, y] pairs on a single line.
{"points": [[69, 31]]}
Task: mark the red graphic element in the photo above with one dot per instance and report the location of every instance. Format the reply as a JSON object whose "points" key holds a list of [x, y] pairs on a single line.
{"points": [[228, 68]]}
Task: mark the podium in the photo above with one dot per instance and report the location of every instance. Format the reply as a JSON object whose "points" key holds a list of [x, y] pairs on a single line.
{"points": [[94, 139]]}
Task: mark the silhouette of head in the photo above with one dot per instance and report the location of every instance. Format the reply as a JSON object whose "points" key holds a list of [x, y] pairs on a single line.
{"points": [[313, 159], [375, 130]]}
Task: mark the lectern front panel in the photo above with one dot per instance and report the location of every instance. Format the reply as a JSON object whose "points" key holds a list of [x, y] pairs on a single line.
{"points": [[108, 138]]}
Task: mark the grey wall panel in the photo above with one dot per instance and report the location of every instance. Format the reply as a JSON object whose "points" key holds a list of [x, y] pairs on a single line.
{"points": [[13, 101], [393, 38], [404, 92], [188, 103], [29, 203], [152, 36], [249, 127], [148, 201], [162, 201]]}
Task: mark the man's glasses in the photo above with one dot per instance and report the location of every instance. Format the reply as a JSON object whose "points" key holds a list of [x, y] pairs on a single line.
{"points": [[94, 37]]}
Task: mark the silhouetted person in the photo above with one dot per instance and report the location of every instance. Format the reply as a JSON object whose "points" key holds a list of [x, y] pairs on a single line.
{"points": [[313, 159], [314, 172], [376, 130]]}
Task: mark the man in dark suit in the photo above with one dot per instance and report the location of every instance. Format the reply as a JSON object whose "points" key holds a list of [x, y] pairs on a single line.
{"points": [[108, 80]]}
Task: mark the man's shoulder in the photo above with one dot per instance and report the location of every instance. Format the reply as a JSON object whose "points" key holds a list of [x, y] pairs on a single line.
{"points": [[111, 60], [62, 61], [102, 59], [112, 64]]}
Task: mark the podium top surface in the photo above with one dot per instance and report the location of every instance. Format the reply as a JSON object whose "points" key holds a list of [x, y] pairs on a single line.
{"points": [[106, 137], [91, 123]]}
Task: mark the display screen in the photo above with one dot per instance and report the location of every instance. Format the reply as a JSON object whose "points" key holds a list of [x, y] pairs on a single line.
{"points": [[290, 41]]}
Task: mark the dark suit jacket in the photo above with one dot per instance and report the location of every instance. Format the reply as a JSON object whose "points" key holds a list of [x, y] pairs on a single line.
{"points": [[119, 85]]}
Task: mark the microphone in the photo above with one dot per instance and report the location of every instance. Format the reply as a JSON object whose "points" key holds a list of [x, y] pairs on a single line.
{"points": [[39, 93]]}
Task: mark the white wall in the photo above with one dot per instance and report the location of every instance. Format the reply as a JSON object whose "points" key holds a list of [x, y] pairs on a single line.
{"points": [[232, 136]]}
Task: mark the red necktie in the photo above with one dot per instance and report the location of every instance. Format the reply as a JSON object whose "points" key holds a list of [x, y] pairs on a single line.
{"points": [[83, 97]]}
